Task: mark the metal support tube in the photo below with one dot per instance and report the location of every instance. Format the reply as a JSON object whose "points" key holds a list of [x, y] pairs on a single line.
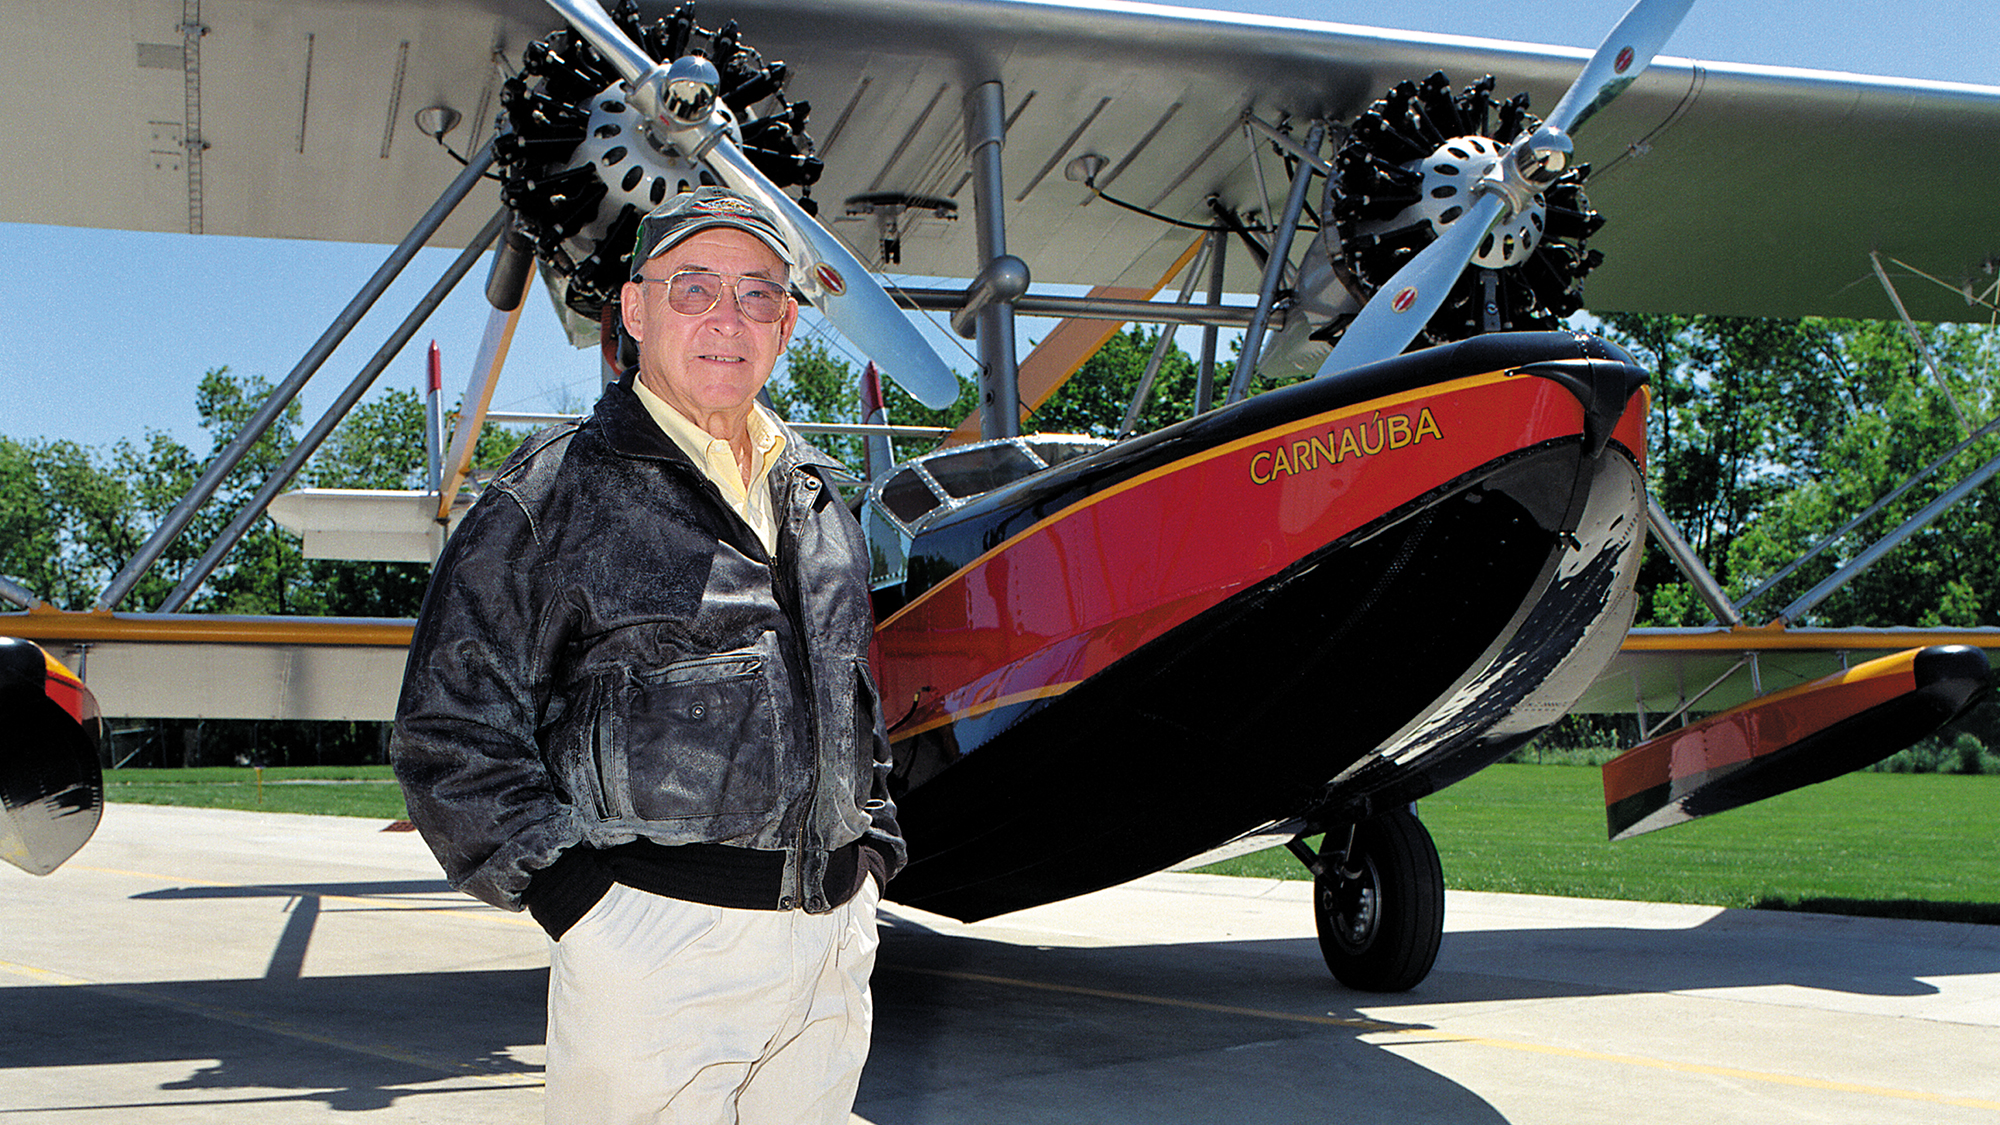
{"points": [[226, 461], [1698, 575], [1274, 270], [985, 137], [253, 510], [1917, 338], [1867, 514], [512, 264], [1298, 847], [1889, 542], [433, 418], [1094, 308], [20, 595], [1003, 280], [1204, 390], [1166, 341], [1309, 154]]}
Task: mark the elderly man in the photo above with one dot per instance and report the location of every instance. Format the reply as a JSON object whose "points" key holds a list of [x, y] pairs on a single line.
{"points": [[638, 704]]}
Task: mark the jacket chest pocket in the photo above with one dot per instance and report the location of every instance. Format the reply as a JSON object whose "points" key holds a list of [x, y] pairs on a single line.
{"points": [[697, 739]]}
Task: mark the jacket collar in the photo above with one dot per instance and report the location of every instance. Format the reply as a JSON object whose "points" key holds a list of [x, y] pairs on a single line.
{"points": [[631, 432]]}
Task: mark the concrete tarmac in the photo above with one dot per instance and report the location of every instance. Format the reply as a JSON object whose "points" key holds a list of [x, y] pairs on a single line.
{"points": [[196, 966]]}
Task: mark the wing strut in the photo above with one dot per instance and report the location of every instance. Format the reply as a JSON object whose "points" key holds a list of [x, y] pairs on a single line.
{"points": [[985, 137], [1204, 388], [472, 412], [1274, 270], [253, 509], [1868, 513], [226, 461], [1145, 389], [1917, 338], [1889, 542], [1682, 552]]}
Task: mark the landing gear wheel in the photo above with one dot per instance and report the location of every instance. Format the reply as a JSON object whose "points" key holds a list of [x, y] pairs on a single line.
{"points": [[1380, 912]]}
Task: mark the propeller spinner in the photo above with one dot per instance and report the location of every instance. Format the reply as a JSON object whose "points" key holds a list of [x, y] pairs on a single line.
{"points": [[684, 111], [1505, 185]]}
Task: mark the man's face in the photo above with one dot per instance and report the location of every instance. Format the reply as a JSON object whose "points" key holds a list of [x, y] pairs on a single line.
{"points": [[711, 363]]}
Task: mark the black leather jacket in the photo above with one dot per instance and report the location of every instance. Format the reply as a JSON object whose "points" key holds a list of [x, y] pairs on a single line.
{"points": [[607, 654]]}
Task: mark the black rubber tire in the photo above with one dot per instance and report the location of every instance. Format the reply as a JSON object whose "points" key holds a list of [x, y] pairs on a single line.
{"points": [[1380, 924]]}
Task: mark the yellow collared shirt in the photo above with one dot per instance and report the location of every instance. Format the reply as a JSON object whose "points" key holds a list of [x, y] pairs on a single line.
{"points": [[718, 461]]}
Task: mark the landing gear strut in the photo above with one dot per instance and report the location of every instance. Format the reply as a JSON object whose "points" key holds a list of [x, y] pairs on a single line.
{"points": [[1380, 906]]}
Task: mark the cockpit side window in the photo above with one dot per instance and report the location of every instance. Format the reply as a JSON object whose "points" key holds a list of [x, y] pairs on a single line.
{"points": [[981, 469], [907, 496]]}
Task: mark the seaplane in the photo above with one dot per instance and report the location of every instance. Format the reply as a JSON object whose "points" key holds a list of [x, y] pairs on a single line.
{"points": [[1398, 541]]}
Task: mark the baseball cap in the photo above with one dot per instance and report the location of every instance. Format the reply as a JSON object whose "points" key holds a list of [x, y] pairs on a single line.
{"points": [[701, 209]]}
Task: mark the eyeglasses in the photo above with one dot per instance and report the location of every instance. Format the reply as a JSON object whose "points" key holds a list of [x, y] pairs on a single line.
{"points": [[694, 292]]}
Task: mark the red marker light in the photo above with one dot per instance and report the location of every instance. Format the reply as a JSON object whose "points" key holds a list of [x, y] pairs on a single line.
{"points": [[1404, 299], [1623, 62], [830, 279]]}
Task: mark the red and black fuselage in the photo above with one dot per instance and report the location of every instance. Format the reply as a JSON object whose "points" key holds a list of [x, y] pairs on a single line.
{"points": [[1331, 598]]}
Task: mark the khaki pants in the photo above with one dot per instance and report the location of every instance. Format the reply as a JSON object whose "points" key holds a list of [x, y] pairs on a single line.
{"points": [[662, 1011]]}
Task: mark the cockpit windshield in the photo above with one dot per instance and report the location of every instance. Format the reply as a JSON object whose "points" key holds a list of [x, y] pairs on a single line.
{"points": [[942, 481], [965, 473]]}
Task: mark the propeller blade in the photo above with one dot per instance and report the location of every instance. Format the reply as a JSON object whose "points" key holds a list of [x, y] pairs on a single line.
{"points": [[830, 275], [842, 289], [1401, 308], [1626, 52]]}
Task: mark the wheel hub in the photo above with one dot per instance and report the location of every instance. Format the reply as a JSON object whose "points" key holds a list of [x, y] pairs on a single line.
{"points": [[1354, 905]]}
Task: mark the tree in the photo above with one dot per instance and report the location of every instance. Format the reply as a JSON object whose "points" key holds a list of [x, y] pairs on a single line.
{"points": [[817, 386], [380, 445], [1095, 399], [31, 541], [1943, 575], [71, 516], [1768, 434]]}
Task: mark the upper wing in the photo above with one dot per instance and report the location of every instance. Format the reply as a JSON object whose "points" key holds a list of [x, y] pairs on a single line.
{"points": [[1729, 189]]}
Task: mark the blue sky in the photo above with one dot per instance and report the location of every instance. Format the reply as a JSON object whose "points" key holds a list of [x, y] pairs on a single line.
{"points": [[104, 334]]}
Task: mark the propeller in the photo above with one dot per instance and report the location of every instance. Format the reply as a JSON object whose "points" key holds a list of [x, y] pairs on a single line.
{"points": [[1408, 300], [680, 106]]}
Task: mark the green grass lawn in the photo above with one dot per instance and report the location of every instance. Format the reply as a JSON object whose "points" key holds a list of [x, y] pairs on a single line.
{"points": [[1905, 845], [368, 791]]}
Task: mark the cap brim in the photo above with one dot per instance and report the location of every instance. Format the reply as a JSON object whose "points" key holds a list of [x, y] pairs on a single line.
{"points": [[762, 235]]}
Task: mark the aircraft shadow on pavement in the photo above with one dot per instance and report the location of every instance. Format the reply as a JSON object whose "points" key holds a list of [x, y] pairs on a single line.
{"points": [[1144, 1032], [354, 1042], [1858, 957], [975, 1029], [966, 1026]]}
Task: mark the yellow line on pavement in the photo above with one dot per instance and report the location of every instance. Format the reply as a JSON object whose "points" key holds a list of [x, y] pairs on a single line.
{"points": [[1166, 1001]]}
